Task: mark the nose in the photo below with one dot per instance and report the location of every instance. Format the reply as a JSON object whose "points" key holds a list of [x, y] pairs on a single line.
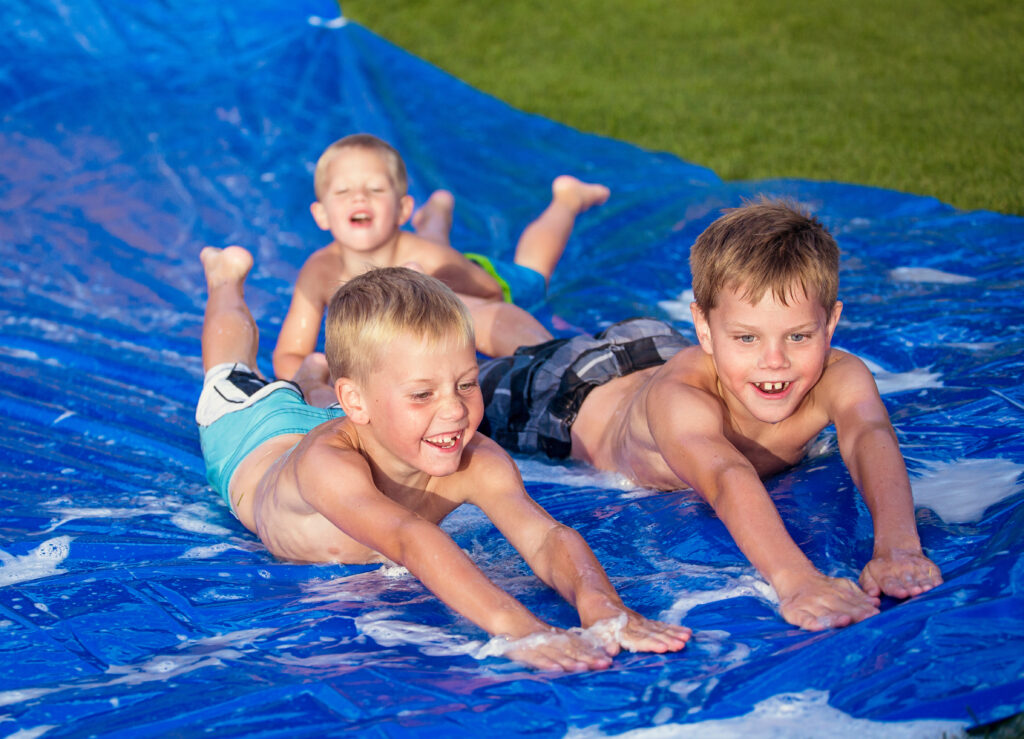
{"points": [[453, 408], [773, 356]]}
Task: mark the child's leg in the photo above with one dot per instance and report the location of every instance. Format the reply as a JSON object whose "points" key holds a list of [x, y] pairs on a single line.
{"points": [[501, 328], [229, 332], [434, 220], [543, 241]]}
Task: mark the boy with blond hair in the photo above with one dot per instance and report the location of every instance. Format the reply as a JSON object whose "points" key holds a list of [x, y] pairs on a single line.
{"points": [[742, 405], [371, 482], [361, 199]]}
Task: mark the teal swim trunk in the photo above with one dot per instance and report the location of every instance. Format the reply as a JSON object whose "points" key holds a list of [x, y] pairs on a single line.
{"points": [[238, 410], [523, 286]]}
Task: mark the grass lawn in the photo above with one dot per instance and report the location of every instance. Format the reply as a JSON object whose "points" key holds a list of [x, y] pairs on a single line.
{"points": [[924, 96]]}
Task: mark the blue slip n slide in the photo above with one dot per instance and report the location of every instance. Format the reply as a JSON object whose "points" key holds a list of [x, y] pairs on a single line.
{"points": [[132, 603]]}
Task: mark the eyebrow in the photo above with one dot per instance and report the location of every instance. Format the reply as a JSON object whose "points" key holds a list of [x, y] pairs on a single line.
{"points": [[800, 328]]}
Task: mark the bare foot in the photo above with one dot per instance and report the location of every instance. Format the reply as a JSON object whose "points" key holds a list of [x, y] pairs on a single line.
{"points": [[576, 194], [434, 220], [223, 266]]}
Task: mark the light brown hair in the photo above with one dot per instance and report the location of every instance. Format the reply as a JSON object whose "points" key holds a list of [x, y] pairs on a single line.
{"points": [[765, 245], [370, 311], [369, 142]]}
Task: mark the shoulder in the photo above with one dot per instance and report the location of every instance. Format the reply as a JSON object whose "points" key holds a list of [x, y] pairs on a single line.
{"points": [[484, 456], [683, 398], [325, 263], [846, 382], [688, 377], [330, 450], [487, 470], [845, 373]]}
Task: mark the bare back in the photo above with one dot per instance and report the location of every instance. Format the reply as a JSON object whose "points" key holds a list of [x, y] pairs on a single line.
{"points": [[294, 491], [645, 425], [326, 269]]}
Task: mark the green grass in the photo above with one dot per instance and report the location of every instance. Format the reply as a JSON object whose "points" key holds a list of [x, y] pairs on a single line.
{"points": [[924, 96]]}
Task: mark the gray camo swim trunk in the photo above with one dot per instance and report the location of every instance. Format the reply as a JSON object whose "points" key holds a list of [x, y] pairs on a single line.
{"points": [[532, 397]]}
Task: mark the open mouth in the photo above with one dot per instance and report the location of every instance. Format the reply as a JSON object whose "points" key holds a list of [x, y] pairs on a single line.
{"points": [[772, 388], [444, 441], [360, 217]]}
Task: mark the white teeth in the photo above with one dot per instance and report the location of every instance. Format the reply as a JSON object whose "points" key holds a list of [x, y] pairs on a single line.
{"points": [[771, 387], [444, 442], [361, 217]]}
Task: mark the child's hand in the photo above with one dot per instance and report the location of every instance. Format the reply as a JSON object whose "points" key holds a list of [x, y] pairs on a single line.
{"points": [[556, 650], [631, 631], [823, 602], [900, 573]]}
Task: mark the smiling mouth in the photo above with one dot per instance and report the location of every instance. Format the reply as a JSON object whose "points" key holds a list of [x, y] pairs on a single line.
{"points": [[360, 218], [772, 388], [444, 441]]}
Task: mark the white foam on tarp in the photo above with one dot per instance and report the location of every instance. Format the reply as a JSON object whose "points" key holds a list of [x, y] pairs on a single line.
{"points": [[572, 475], [679, 309], [43, 561], [332, 23], [741, 586], [804, 715], [888, 382], [900, 382], [961, 490], [188, 522], [32, 733], [435, 641], [927, 274], [387, 631], [209, 552]]}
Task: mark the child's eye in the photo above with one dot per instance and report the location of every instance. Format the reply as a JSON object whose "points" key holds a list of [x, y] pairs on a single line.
{"points": [[746, 339], [468, 386], [424, 395], [797, 338]]}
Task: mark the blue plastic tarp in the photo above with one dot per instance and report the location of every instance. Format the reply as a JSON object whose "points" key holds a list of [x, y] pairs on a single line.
{"points": [[133, 604]]}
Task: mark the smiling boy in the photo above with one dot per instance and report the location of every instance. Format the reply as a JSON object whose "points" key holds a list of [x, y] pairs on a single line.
{"points": [[371, 482], [742, 405], [361, 185]]}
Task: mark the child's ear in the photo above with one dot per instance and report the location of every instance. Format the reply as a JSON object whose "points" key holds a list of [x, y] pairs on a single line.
{"points": [[405, 207], [350, 396], [700, 323], [319, 215], [833, 320]]}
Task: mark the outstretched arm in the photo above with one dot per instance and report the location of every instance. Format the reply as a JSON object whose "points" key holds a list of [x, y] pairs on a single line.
{"points": [[560, 557], [869, 447], [688, 429], [368, 516], [301, 325]]}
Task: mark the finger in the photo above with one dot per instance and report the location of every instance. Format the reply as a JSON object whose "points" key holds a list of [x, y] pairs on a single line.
{"points": [[868, 583], [581, 662], [653, 642], [531, 658]]}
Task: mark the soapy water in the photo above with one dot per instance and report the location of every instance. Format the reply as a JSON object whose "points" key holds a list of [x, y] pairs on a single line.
{"points": [[41, 562], [435, 642], [804, 715]]}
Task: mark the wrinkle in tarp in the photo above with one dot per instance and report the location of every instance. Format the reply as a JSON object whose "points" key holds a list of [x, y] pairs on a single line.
{"points": [[133, 604]]}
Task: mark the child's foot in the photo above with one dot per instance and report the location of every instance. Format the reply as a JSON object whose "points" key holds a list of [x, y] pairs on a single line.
{"points": [[576, 194], [223, 266], [434, 220]]}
